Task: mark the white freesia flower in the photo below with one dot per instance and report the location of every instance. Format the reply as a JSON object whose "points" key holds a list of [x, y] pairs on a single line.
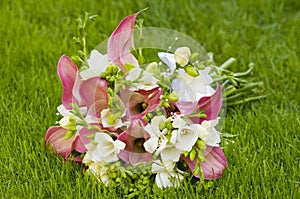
{"points": [[100, 170], [157, 140], [166, 176], [97, 65], [104, 118], [170, 153], [141, 80], [106, 149], [208, 133], [69, 119], [185, 136], [182, 55], [191, 89]]}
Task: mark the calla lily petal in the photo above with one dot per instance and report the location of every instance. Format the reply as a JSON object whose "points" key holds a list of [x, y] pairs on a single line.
{"points": [[68, 73], [55, 137], [94, 95], [134, 137], [214, 165], [120, 42]]}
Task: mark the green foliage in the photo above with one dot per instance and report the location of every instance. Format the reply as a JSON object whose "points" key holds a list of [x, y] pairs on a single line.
{"points": [[264, 160]]}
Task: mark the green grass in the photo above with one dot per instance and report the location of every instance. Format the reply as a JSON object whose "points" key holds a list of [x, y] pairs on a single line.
{"points": [[264, 161]]}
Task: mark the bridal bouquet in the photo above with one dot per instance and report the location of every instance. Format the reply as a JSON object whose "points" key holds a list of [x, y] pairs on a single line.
{"points": [[131, 123]]}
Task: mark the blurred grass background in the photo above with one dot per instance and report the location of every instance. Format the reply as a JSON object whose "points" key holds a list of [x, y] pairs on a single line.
{"points": [[264, 161]]}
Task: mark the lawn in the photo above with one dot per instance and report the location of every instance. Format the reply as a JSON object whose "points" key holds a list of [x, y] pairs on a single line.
{"points": [[264, 160]]}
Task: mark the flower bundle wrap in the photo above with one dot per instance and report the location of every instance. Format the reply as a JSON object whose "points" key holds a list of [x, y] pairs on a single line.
{"points": [[159, 118]]}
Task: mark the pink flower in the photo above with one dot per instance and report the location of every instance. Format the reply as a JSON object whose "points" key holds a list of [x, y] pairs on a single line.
{"points": [[141, 102], [134, 137], [211, 106], [55, 137], [120, 42], [214, 165], [90, 93]]}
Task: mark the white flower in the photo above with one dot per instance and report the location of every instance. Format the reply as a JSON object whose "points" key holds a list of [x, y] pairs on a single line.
{"points": [[168, 59], [182, 55], [141, 80], [104, 118], [97, 65], [100, 170], [106, 149], [185, 136], [208, 133], [192, 89], [157, 140], [166, 176], [170, 153]]}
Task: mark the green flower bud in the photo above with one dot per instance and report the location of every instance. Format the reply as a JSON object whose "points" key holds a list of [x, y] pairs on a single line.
{"points": [[115, 69], [166, 104], [173, 97], [201, 144], [192, 154], [191, 71], [201, 157], [146, 119], [109, 69], [169, 126], [107, 77], [185, 153], [69, 134], [112, 79]]}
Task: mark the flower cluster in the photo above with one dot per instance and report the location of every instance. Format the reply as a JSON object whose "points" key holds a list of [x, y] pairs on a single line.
{"points": [[160, 115]]}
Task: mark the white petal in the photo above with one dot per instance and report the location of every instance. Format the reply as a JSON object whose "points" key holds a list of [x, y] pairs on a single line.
{"points": [[162, 180], [151, 144], [63, 111], [97, 65], [170, 153], [119, 145], [187, 138], [182, 55], [168, 59]]}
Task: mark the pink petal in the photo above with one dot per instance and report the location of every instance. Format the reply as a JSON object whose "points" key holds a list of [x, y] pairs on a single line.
{"points": [[120, 41], [85, 132], [55, 137], [214, 165], [211, 106], [78, 145], [94, 95], [68, 73], [151, 97]]}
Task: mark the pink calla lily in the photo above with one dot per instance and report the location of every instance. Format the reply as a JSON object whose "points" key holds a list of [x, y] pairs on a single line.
{"points": [[134, 100], [214, 165], [211, 106], [55, 137], [94, 95], [134, 137], [120, 42], [68, 74]]}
